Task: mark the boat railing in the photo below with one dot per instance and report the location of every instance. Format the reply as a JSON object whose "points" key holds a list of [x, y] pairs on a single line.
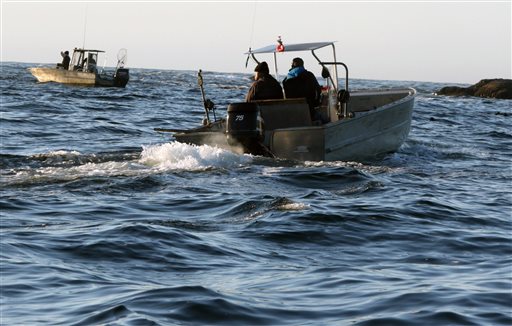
{"points": [[343, 95]]}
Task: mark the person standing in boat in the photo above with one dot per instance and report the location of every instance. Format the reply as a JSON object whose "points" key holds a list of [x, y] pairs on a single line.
{"points": [[65, 60], [300, 83], [265, 87]]}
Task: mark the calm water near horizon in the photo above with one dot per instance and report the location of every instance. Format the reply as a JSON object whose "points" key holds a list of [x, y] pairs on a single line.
{"points": [[106, 222]]}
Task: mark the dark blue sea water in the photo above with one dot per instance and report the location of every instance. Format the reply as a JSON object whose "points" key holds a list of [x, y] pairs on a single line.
{"points": [[106, 222]]}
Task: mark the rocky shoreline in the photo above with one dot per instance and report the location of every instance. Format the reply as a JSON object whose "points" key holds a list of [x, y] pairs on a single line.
{"points": [[490, 88]]}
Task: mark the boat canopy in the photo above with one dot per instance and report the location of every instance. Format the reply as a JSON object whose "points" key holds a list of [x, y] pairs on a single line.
{"points": [[291, 47], [84, 50], [313, 46]]}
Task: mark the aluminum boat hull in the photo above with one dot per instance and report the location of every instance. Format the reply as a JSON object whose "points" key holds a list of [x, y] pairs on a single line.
{"points": [[379, 124]]}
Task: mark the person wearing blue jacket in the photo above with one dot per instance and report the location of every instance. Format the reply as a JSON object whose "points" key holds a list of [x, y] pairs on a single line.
{"points": [[300, 83]]}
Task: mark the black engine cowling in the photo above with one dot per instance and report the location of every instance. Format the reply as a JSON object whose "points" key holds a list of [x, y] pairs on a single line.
{"points": [[243, 124], [121, 77]]}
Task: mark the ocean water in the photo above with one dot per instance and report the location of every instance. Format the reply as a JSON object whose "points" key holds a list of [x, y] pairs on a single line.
{"points": [[106, 222]]}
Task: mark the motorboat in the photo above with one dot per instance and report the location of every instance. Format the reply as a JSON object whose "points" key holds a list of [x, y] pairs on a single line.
{"points": [[357, 125], [83, 70]]}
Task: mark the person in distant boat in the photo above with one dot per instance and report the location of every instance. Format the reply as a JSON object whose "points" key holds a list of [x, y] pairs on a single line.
{"points": [[91, 65], [65, 60], [300, 83], [265, 87]]}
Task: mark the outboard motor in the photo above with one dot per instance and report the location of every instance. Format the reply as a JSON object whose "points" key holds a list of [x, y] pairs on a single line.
{"points": [[121, 77], [243, 125]]}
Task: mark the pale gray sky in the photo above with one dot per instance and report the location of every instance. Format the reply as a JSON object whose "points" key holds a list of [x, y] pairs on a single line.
{"points": [[440, 41]]}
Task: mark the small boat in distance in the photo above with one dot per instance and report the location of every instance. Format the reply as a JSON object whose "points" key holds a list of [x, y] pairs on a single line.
{"points": [[83, 70], [354, 126]]}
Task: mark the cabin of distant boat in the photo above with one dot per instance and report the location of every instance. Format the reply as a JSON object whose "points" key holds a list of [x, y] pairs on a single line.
{"points": [[84, 60]]}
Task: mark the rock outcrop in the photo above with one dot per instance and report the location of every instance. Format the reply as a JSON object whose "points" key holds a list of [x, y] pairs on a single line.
{"points": [[492, 88]]}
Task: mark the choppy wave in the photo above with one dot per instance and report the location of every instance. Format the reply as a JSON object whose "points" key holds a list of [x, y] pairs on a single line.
{"points": [[104, 221]]}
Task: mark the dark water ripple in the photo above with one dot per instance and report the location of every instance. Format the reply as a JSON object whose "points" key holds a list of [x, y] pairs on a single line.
{"points": [[105, 222]]}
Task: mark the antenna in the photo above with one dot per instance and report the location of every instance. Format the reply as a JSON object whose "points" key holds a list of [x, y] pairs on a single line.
{"points": [[253, 23], [85, 26]]}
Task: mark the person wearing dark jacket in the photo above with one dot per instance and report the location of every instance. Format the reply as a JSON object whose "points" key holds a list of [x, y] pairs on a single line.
{"points": [[265, 87], [65, 60], [300, 83]]}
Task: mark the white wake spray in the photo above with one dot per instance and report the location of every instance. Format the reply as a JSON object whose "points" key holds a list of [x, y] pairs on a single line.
{"points": [[176, 155], [63, 166]]}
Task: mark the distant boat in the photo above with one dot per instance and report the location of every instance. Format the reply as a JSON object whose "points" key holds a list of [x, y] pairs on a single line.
{"points": [[83, 70], [354, 126]]}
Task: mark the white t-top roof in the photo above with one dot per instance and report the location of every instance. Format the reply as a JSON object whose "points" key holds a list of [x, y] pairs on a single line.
{"points": [[291, 47], [85, 50]]}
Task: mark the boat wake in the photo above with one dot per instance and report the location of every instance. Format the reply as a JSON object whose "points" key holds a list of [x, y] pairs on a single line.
{"points": [[172, 156], [65, 166]]}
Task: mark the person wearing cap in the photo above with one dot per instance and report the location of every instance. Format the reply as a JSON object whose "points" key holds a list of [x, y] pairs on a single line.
{"points": [[65, 60], [300, 83], [264, 87]]}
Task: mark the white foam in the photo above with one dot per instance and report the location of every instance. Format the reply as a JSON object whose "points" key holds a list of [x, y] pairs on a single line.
{"points": [[59, 155], [293, 207], [51, 174], [176, 155], [63, 153], [153, 159]]}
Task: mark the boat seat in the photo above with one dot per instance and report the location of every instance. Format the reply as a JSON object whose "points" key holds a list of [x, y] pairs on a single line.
{"points": [[287, 113]]}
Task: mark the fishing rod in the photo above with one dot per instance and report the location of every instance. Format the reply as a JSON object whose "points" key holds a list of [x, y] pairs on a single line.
{"points": [[207, 103], [173, 130], [200, 82]]}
